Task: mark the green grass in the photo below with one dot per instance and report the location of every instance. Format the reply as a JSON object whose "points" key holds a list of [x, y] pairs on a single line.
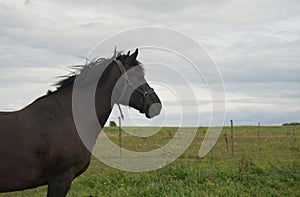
{"points": [[268, 165]]}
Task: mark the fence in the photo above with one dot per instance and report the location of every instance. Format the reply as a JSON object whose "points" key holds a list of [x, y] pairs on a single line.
{"points": [[258, 145], [262, 145]]}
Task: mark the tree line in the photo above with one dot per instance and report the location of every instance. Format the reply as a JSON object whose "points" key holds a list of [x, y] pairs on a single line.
{"points": [[291, 124]]}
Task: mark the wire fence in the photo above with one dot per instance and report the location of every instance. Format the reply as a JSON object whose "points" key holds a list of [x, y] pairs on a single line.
{"points": [[255, 144]]}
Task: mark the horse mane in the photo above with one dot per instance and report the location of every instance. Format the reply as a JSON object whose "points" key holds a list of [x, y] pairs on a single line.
{"points": [[81, 70]]}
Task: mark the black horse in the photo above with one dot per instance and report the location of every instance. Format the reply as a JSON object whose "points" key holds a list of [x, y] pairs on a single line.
{"points": [[39, 145]]}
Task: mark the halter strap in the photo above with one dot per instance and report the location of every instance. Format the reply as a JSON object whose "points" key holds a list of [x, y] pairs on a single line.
{"points": [[121, 67]]}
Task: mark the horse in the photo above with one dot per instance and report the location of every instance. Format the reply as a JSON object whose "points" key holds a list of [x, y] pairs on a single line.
{"points": [[40, 144]]}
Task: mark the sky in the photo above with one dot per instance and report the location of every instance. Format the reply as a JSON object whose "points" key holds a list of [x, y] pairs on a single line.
{"points": [[255, 44]]}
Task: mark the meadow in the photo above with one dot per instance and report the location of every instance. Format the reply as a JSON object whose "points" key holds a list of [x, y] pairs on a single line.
{"points": [[263, 164]]}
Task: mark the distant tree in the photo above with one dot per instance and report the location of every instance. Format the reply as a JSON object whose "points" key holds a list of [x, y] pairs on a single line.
{"points": [[112, 124], [291, 124]]}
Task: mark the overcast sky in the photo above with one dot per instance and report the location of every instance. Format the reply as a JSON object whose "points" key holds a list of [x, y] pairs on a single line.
{"points": [[256, 45]]}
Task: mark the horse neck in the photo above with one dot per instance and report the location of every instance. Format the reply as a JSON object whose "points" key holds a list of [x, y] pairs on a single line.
{"points": [[103, 96], [100, 101], [95, 110]]}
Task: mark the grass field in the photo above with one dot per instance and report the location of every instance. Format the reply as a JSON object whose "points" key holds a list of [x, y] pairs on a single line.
{"points": [[265, 165]]}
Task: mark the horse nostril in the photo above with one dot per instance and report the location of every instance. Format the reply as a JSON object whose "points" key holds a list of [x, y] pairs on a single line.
{"points": [[154, 110]]}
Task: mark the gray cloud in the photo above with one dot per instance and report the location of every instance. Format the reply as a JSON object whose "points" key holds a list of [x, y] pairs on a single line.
{"points": [[255, 43]]}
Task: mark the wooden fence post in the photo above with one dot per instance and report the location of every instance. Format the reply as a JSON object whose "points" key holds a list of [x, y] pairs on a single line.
{"points": [[120, 136], [258, 131], [226, 140], [232, 138], [295, 133]]}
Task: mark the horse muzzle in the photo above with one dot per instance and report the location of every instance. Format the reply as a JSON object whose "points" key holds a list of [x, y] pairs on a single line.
{"points": [[153, 110]]}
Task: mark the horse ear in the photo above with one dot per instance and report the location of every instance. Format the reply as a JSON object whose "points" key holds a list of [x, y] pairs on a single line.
{"points": [[133, 56]]}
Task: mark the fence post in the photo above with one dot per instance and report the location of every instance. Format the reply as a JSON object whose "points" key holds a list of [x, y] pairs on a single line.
{"points": [[232, 138], [294, 133], [120, 136], [226, 140], [258, 130]]}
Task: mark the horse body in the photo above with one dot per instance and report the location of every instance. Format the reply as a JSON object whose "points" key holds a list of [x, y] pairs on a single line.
{"points": [[40, 145]]}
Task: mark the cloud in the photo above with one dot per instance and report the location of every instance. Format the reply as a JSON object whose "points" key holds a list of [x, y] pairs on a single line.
{"points": [[255, 43], [27, 2]]}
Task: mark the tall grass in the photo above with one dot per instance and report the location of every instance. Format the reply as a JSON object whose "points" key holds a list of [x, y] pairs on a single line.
{"points": [[268, 165]]}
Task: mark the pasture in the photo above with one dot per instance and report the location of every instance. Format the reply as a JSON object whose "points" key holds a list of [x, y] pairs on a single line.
{"points": [[263, 165]]}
